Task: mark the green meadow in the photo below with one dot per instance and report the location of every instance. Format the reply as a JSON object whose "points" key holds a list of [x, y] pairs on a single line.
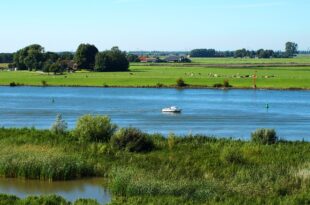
{"points": [[301, 59], [166, 76]]}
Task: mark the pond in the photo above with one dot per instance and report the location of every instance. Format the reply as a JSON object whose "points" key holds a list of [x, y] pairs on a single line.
{"points": [[70, 190], [225, 113]]}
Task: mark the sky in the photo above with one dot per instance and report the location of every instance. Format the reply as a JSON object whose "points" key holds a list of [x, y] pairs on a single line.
{"points": [[166, 25]]}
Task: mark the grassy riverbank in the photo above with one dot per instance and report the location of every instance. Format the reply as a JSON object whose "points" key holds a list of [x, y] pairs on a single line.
{"points": [[154, 76], [190, 170]]}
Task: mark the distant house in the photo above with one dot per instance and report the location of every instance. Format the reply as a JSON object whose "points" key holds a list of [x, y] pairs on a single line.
{"points": [[70, 65], [144, 59], [177, 59], [172, 59]]}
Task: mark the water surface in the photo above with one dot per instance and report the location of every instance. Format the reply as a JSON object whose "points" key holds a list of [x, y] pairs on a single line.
{"points": [[70, 190], [226, 113]]}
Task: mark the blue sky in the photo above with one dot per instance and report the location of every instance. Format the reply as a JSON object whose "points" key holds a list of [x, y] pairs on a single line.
{"points": [[60, 25]]}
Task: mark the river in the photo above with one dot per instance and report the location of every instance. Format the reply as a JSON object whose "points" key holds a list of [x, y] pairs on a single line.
{"points": [[225, 113]]}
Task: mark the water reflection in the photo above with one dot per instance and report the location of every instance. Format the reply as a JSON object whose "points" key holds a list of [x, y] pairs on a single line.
{"points": [[70, 190]]}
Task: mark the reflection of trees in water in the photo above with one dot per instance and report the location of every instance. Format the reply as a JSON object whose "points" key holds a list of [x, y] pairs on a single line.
{"points": [[45, 187]]}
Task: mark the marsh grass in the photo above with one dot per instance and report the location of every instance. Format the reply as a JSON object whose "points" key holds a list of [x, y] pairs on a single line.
{"points": [[180, 170]]}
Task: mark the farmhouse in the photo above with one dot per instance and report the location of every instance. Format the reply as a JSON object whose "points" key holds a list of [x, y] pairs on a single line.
{"points": [[176, 59], [144, 59]]}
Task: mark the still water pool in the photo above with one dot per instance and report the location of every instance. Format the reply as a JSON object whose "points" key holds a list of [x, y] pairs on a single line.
{"points": [[70, 190]]}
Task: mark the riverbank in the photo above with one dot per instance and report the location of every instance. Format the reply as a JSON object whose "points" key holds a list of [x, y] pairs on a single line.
{"points": [[165, 76], [178, 170]]}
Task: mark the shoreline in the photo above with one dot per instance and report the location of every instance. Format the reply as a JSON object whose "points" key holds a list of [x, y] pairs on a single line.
{"points": [[189, 87]]}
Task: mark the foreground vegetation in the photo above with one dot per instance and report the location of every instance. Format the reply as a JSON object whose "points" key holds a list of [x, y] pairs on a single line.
{"points": [[50, 200], [151, 169]]}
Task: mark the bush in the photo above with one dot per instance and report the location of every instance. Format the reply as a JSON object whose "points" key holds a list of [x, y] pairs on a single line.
{"points": [[218, 85], [59, 126], [86, 202], [159, 85], [94, 128], [44, 83], [8, 199], [181, 83], [232, 155], [264, 136], [226, 84], [132, 140], [13, 84]]}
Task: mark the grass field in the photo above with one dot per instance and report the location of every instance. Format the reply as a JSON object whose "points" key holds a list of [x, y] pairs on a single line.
{"points": [[275, 77], [303, 59]]}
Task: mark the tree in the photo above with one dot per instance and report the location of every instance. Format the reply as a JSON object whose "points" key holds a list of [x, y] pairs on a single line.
{"points": [[111, 60], [291, 49], [59, 126], [54, 67], [30, 58], [261, 53], [85, 56], [133, 58], [202, 53], [51, 56]]}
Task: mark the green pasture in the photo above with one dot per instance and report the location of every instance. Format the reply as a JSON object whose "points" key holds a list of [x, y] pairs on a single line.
{"points": [[302, 59], [273, 77]]}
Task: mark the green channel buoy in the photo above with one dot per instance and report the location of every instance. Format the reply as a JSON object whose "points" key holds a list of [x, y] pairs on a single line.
{"points": [[267, 106]]}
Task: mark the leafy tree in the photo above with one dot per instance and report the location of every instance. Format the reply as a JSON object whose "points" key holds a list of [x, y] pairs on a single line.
{"points": [[291, 49], [265, 53], [30, 58], [51, 56], [6, 58], [203, 53], [112, 60], [85, 56], [59, 126], [54, 67], [133, 58], [66, 56], [91, 128]]}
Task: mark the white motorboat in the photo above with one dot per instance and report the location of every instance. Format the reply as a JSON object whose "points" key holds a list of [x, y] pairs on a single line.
{"points": [[172, 109]]}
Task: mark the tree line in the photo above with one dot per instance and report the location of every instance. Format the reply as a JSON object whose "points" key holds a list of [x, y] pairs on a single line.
{"points": [[86, 57], [291, 49]]}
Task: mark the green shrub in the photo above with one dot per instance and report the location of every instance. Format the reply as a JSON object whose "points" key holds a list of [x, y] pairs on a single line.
{"points": [[8, 199], [232, 156], [218, 85], [91, 128], [159, 85], [59, 126], [226, 84], [44, 83], [264, 136], [13, 84], [132, 140], [86, 202], [181, 83], [45, 200]]}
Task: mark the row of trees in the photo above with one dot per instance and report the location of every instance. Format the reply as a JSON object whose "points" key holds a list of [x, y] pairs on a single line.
{"points": [[6, 57], [291, 49], [87, 57]]}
